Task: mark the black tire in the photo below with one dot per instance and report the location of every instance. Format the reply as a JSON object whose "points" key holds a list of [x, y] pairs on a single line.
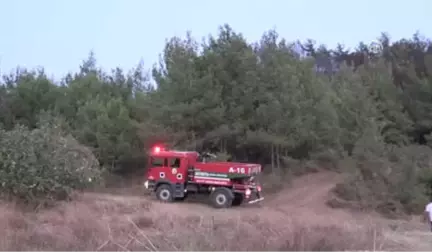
{"points": [[164, 193], [238, 199], [221, 198]]}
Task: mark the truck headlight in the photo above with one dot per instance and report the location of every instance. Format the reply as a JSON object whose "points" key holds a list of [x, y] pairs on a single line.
{"points": [[146, 184]]}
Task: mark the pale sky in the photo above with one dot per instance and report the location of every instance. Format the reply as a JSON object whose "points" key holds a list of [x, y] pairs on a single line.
{"points": [[58, 34]]}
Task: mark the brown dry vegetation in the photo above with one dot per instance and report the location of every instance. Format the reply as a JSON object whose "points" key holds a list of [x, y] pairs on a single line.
{"points": [[297, 218]]}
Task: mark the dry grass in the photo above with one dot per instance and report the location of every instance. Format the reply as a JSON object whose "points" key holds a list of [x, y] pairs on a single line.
{"points": [[98, 223], [296, 218]]}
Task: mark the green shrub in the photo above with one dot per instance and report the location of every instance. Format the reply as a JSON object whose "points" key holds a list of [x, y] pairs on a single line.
{"points": [[43, 164]]}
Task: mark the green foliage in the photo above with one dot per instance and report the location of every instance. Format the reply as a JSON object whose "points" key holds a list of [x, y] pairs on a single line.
{"points": [[42, 164], [387, 178], [270, 102]]}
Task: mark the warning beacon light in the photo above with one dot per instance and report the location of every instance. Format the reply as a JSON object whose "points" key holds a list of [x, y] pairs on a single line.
{"points": [[157, 149]]}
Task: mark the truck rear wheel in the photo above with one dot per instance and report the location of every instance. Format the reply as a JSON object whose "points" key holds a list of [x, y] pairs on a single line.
{"points": [[164, 193], [221, 198]]}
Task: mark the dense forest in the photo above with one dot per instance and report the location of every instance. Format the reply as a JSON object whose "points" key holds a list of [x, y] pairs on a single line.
{"points": [[365, 111]]}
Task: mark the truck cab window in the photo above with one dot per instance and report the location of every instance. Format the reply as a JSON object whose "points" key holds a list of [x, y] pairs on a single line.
{"points": [[175, 162], [158, 162]]}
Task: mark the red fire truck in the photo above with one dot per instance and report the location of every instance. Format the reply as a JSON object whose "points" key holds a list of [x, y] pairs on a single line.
{"points": [[176, 174]]}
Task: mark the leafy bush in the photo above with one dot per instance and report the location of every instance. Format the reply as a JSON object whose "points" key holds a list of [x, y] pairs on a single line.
{"points": [[42, 164]]}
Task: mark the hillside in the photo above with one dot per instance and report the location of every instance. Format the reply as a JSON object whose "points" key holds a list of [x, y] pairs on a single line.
{"points": [[297, 218], [355, 122]]}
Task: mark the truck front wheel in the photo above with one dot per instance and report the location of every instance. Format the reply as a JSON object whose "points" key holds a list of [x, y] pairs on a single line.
{"points": [[221, 198], [164, 193]]}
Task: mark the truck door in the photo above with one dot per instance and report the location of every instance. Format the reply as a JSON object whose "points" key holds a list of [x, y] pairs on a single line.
{"points": [[159, 168], [177, 168]]}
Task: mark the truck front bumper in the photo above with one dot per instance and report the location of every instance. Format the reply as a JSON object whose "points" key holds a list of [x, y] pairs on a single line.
{"points": [[254, 197], [256, 200], [149, 185]]}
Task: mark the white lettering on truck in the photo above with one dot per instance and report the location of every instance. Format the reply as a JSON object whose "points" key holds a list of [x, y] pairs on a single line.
{"points": [[237, 170]]}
